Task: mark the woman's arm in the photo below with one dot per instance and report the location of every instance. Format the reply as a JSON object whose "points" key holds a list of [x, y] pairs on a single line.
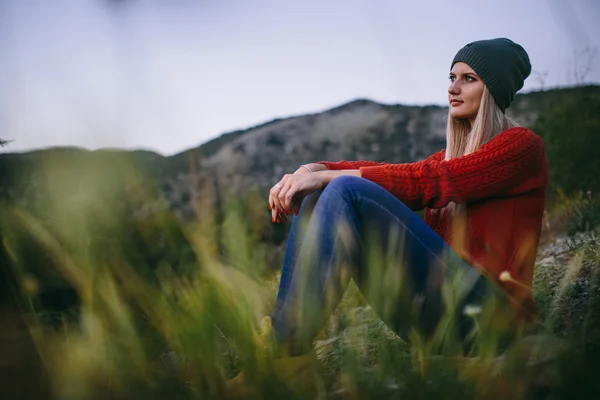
{"points": [[513, 162], [341, 165]]}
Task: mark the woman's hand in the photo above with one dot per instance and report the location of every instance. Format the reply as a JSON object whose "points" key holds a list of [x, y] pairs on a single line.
{"points": [[278, 215], [291, 189]]}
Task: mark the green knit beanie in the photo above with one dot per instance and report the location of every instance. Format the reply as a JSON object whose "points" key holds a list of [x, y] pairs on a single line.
{"points": [[501, 64]]}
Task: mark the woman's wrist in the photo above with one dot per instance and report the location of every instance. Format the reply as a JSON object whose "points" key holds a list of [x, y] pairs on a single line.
{"points": [[314, 167]]}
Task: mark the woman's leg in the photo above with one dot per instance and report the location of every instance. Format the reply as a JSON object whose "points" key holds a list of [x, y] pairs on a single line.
{"points": [[293, 243], [356, 229]]}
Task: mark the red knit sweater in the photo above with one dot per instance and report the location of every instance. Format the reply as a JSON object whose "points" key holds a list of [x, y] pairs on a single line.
{"points": [[503, 186]]}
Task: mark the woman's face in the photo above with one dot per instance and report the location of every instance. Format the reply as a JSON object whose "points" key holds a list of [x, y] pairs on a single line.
{"points": [[465, 91]]}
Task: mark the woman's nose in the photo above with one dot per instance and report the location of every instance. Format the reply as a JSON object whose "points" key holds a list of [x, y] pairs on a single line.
{"points": [[453, 88]]}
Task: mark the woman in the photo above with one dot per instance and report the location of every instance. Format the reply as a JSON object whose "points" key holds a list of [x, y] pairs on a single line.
{"points": [[484, 197]]}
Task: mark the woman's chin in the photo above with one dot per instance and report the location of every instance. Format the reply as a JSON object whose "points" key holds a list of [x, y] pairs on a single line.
{"points": [[458, 115]]}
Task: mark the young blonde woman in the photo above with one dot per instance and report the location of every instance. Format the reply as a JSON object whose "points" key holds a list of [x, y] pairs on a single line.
{"points": [[483, 195]]}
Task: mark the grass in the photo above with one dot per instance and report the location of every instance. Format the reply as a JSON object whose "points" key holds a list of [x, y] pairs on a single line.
{"points": [[182, 332]]}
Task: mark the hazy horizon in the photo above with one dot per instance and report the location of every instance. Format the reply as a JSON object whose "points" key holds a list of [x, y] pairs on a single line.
{"points": [[166, 76]]}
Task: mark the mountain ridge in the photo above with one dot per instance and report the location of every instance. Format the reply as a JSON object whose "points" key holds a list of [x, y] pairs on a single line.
{"points": [[236, 132]]}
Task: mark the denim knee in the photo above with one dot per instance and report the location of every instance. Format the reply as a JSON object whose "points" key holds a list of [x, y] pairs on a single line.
{"points": [[344, 186], [344, 183]]}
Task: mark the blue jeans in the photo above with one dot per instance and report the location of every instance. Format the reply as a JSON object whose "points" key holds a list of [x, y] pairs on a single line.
{"points": [[355, 229]]}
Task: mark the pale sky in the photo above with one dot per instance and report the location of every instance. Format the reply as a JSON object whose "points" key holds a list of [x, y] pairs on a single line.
{"points": [[167, 75]]}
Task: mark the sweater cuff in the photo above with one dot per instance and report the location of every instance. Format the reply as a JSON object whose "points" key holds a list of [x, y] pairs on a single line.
{"points": [[377, 175]]}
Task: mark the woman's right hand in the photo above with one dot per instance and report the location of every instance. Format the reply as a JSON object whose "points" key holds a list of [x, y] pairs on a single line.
{"points": [[279, 215]]}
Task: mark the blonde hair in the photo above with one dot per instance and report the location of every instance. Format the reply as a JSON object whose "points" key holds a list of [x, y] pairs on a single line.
{"points": [[463, 139]]}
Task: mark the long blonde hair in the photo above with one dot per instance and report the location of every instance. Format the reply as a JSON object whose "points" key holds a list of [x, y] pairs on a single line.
{"points": [[463, 139]]}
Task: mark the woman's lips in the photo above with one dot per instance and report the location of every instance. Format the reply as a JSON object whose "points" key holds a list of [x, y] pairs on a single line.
{"points": [[455, 103]]}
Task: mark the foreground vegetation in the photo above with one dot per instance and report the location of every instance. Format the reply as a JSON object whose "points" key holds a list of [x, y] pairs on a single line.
{"points": [[180, 333]]}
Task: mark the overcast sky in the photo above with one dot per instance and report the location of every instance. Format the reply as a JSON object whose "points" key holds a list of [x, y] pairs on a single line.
{"points": [[167, 75]]}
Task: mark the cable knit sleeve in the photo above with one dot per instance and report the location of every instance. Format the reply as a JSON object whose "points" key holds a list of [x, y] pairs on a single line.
{"points": [[507, 165], [360, 164]]}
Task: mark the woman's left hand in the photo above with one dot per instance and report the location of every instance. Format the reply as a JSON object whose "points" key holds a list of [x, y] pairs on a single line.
{"points": [[294, 187]]}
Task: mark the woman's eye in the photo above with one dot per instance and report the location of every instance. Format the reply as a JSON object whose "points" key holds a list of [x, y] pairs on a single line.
{"points": [[452, 78], [469, 78]]}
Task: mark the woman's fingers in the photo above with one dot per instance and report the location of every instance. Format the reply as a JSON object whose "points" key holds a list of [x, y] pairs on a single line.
{"points": [[281, 198], [283, 195], [278, 191], [287, 194], [271, 199], [286, 185], [287, 197], [274, 203], [273, 195]]}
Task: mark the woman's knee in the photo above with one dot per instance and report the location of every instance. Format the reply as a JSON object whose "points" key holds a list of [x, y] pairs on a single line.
{"points": [[350, 188]]}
